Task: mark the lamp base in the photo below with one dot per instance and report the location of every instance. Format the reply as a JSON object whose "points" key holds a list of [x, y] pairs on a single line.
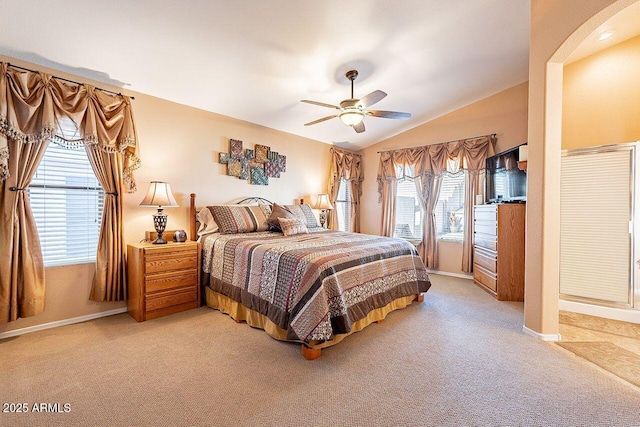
{"points": [[160, 222], [159, 241]]}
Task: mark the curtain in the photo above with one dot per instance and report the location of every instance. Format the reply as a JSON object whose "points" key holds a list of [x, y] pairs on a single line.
{"points": [[475, 153], [36, 108], [426, 165], [346, 166]]}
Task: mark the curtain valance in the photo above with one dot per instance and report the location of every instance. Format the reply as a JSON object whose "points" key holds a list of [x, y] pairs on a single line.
{"points": [[36, 106], [434, 160]]}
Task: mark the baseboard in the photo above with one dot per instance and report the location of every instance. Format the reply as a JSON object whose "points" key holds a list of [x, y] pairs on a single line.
{"points": [[622, 314], [446, 273], [64, 322], [538, 335]]}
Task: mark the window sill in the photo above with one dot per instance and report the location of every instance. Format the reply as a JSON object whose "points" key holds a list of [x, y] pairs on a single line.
{"points": [[452, 237]]}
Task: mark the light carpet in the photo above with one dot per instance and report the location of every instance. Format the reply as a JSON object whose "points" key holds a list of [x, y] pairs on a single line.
{"points": [[459, 358]]}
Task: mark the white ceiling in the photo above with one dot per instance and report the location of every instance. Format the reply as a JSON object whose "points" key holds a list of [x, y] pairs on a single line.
{"points": [[256, 59]]}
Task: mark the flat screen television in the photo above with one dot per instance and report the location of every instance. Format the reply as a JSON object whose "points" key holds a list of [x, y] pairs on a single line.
{"points": [[505, 183]]}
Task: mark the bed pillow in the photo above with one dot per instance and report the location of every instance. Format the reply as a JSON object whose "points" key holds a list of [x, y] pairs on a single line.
{"points": [[277, 212], [304, 213], [207, 224], [240, 218], [293, 226]]}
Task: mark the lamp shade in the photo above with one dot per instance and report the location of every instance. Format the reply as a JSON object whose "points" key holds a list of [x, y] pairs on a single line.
{"points": [[351, 116], [323, 202], [159, 194]]}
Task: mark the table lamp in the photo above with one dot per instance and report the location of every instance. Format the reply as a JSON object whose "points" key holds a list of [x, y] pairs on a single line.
{"points": [[159, 195], [323, 204]]}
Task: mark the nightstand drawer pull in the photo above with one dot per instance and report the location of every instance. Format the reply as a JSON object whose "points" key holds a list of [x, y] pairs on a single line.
{"points": [[155, 303], [160, 282]]}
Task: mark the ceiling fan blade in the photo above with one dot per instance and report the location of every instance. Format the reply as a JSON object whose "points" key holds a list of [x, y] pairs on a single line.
{"points": [[389, 114], [320, 120], [322, 104], [372, 98], [359, 127]]}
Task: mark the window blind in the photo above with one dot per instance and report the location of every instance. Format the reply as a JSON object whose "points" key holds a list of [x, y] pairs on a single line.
{"points": [[67, 202], [595, 242], [343, 205]]}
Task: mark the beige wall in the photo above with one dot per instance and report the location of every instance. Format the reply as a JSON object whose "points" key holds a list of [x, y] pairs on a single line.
{"points": [[180, 145], [557, 28], [504, 114], [601, 98]]}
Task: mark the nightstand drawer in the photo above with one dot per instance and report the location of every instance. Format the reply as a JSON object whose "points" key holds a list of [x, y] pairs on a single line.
{"points": [[164, 281], [171, 299], [167, 261]]}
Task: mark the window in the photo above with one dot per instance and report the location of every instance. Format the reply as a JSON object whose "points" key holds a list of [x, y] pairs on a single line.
{"points": [[343, 205], [409, 215], [449, 210], [67, 201]]}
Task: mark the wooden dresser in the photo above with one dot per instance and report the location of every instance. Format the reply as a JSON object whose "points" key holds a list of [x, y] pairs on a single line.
{"points": [[162, 279], [498, 255]]}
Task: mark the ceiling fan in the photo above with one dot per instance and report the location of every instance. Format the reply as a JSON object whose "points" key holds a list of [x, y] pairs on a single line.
{"points": [[352, 110]]}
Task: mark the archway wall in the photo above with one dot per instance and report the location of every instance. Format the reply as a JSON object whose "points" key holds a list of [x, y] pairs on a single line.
{"points": [[557, 27]]}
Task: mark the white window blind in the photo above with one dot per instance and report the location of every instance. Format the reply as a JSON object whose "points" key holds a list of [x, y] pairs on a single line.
{"points": [[595, 242], [409, 216], [67, 202], [449, 210], [343, 206]]}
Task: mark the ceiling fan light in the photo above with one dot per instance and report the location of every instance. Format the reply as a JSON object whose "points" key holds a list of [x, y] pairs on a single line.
{"points": [[351, 117]]}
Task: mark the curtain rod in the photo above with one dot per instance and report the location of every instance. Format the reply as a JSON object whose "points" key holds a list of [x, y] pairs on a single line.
{"points": [[66, 80], [446, 142]]}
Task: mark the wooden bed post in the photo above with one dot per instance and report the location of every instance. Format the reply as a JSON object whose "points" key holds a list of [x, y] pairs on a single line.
{"points": [[192, 217], [419, 298], [311, 353]]}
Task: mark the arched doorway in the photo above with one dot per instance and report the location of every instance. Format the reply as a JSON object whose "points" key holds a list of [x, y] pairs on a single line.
{"points": [[558, 28]]}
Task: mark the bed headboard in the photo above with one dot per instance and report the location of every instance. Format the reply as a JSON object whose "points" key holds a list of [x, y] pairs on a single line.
{"points": [[194, 224]]}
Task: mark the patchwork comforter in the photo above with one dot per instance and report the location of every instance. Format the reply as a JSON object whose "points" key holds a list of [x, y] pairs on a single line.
{"points": [[314, 286]]}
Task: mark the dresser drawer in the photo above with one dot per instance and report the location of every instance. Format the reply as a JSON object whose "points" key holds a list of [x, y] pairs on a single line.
{"points": [[485, 241], [171, 298], [164, 281], [484, 277], [485, 259], [486, 227], [486, 214], [167, 261]]}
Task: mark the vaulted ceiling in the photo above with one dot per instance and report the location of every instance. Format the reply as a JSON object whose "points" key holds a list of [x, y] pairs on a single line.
{"points": [[256, 59]]}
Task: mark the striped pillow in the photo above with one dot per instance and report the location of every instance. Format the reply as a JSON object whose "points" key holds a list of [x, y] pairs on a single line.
{"points": [[241, 219], [278, 212], [292, 226], [305, 214]]}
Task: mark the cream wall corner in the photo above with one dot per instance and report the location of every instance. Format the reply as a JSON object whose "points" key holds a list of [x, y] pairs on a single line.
{"points": [[504, 113]]}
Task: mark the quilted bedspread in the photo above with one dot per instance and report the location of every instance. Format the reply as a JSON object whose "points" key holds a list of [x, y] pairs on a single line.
{"points": [[313, 285]]}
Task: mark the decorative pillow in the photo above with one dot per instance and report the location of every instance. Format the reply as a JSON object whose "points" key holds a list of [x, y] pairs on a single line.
{"points": [[207, 223], [240, 218], [304, 213], [293, 226], [277, 212]]}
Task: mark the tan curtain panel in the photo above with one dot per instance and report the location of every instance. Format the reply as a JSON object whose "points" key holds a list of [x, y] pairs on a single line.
{"points": [[426, 165], [347, 166], [36, 108]]}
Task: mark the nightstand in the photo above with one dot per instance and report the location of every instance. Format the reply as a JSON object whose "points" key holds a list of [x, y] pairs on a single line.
{"points": [[162, 279]]}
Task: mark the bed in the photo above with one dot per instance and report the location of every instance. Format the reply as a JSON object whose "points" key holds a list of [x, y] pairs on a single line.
{"points": [[312, 286]]}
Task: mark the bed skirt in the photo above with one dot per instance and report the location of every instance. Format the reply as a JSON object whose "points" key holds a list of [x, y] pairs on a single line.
{"points": [[240, 313]]}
